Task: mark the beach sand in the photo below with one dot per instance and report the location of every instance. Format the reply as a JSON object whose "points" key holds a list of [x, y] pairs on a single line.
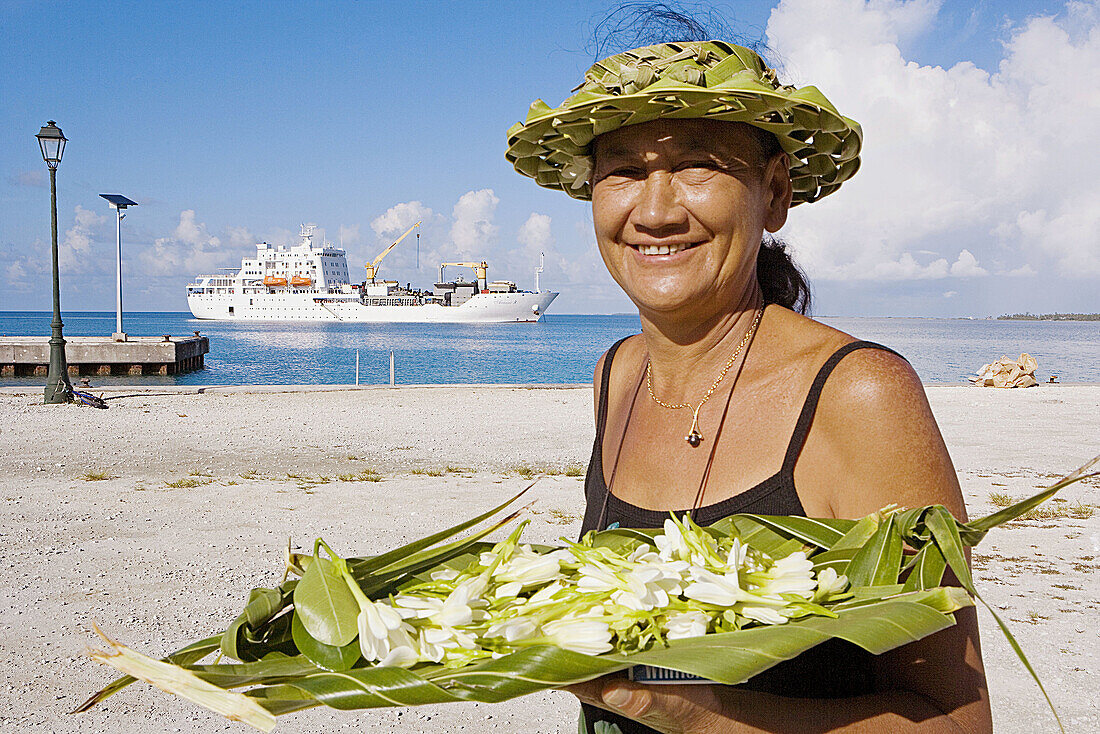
{"points": [[158, 565]]}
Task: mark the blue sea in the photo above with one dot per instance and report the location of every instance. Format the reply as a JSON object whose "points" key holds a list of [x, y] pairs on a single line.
{"points": [[559, 349]]}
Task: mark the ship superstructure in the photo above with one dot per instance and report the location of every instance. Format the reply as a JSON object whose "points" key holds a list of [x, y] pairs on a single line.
{"points": [[311, 282]]}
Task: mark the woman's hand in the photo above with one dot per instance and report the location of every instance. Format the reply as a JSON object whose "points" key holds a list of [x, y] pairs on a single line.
{"points": [[672, 709], [714, 709]]}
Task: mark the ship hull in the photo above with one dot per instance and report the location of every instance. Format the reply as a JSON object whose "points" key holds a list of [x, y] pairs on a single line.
{"points": [[480, 308]]}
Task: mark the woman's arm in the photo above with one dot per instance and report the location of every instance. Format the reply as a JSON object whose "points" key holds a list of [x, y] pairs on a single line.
{"points": [[874, 442]]}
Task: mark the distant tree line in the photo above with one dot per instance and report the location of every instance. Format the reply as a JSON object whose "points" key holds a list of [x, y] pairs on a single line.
{"points": [[1050, 317]]}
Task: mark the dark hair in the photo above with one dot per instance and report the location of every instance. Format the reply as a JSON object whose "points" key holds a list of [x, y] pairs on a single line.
{"points": [[633, 24], [782, 282]]}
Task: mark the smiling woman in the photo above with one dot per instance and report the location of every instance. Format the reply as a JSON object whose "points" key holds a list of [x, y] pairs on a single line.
{"points": [[690, 151], [663, 189]]}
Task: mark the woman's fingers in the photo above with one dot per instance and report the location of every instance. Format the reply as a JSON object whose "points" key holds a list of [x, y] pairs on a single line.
{"points": [[674, 709]]}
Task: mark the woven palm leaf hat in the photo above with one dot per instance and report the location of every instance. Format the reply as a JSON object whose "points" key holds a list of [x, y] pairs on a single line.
{"points": [[686, 80]]}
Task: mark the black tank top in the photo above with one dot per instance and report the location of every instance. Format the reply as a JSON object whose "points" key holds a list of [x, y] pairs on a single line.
{"points": [[833, 669]]}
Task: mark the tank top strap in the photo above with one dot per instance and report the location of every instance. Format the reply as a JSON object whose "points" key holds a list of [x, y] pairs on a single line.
{"points": [[605, 381], [806, 417]]}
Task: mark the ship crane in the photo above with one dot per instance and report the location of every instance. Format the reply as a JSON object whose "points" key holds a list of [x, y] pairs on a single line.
{"points": [[480, 270], [372, 268]]}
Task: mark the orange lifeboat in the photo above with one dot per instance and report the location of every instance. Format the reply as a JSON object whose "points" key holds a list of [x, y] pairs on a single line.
{"points": [[272, 280], [300, 280]]}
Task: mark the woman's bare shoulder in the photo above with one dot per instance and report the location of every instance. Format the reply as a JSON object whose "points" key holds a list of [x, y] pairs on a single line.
{"points": [[797, 345], [630, 353], [627, 359], [874, 426]]}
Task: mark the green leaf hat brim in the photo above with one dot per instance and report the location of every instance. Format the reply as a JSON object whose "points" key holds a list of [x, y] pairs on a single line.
{"points": [[690, 80]]}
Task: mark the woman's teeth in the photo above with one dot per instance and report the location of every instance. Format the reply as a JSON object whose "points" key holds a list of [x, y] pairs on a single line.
{"points": [[662, 249]]}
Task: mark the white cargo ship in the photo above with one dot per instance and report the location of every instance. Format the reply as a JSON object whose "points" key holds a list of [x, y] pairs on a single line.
{"points": [[307, 282]]}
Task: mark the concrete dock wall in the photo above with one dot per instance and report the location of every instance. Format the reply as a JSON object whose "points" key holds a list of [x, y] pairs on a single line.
{"points": [[89, 355]]}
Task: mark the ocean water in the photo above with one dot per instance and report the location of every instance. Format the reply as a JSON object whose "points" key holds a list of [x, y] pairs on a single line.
{"points": [[558, 349]]}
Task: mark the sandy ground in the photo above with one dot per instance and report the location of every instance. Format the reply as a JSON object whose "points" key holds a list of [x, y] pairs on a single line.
{"points": [[158, 565]]}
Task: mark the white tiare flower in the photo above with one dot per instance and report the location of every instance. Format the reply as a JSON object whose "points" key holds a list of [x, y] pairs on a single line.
{"points": [[764, 615], [790, 575], [828, 584], [437, 642], [460, 607], [723, 590], [686, 541], [530, 568], [444, 574], [385, 636], [402, 656], [645, 583], [796, 564], [587, 636], [517, 628], [644, 556], [687, 624], [509, 590], [671, 544], [597, 578], [738, 555], [545, 594], [650, 587]]}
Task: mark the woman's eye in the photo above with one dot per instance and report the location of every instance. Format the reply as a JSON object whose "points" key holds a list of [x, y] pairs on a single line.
{"points": [[626, 172], [701, 165]]}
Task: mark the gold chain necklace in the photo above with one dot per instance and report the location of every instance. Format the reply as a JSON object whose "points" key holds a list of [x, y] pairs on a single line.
{"points": [[694, 437]]}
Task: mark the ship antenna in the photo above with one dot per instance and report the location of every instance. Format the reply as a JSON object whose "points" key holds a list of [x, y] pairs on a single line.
{"points": [[542, 261], [418, 250]]}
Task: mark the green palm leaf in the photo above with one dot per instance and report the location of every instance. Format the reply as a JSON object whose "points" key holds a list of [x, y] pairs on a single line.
{"points": [[887, 606], [879, 561]]}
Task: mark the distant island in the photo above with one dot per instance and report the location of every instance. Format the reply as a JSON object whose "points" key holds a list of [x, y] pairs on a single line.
{"points": [[1050, 317]]}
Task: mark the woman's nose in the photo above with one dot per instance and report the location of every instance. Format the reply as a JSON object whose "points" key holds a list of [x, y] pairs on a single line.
{"points": [[658, 208]]}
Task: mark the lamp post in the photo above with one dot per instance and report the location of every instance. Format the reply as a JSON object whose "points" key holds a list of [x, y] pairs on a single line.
{"points": [[119, 203], [58, 388]]}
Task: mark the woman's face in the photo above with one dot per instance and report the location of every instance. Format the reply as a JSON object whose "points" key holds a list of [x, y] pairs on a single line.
{"points": [[679, 208]]}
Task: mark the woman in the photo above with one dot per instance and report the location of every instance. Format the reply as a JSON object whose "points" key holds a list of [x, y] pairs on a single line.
{"points": [[730, 400]]}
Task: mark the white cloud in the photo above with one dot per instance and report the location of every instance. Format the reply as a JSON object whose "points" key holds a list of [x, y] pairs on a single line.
{"points": [[875, 265], [16, 274], [1023, 270], [534, 234], [75, 250], [240, 237], [400, 217], [907, 268], [473, 231], [967, 266], [537, 240], [951, 156], [1071, 234], [580, 276], [191, 250], [35, 178], [348, 235], [950, 294]]}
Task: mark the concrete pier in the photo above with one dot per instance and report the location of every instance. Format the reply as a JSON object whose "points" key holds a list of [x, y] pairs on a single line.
{"points": [[102, 355]]}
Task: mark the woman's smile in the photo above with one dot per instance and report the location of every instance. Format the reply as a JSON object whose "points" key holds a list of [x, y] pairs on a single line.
{"points": [[664, 251]]}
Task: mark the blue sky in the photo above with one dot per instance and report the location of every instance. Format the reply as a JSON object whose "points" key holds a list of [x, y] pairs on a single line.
{"points": [[232, 123]]}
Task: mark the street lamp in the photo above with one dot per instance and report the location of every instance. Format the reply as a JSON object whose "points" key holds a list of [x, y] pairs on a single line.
{"points": [[58, 388], [119, 203]]}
